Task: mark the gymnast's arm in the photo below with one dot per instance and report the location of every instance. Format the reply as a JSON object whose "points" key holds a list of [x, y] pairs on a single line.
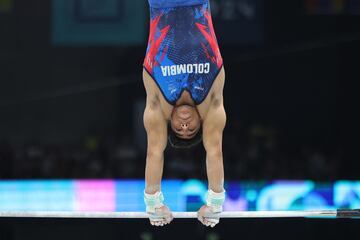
{"points": [[156, 128], [213, 127]]}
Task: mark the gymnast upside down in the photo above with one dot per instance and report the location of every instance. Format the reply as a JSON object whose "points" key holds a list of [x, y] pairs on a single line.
{"points": [[184, 80]]}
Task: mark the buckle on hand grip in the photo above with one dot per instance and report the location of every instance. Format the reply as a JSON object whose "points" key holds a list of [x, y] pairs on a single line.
{"points": [[153, 201], [215, 200]]}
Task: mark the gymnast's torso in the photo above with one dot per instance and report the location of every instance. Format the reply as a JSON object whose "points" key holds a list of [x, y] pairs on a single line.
{"points": [[182, 53]]}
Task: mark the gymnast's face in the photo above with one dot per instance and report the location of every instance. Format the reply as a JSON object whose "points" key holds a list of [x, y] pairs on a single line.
{"points": [[185, 121]]}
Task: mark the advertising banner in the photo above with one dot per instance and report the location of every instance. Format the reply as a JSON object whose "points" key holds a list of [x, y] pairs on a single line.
{"points": [[93, 22]]}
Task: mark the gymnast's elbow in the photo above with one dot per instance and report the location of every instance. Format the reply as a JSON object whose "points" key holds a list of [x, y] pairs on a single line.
{"points": [[214, 155], [154, 154]]}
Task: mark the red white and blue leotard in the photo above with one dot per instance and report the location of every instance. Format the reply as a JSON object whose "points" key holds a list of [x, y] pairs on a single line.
{"points": [[182, 52]]}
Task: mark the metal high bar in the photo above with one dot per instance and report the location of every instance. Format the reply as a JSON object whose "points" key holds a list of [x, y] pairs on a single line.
{"points": [[339, 213]]}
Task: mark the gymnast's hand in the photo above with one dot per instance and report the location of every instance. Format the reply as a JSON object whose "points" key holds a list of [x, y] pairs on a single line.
{"points": [[209, 214], [161, 216], [207, 217]]}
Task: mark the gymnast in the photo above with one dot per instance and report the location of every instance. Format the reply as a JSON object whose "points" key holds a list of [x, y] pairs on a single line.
{"points": [[184, 80]]}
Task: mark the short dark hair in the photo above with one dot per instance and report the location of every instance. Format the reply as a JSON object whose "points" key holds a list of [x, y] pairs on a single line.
{"points": [[177, 142]]}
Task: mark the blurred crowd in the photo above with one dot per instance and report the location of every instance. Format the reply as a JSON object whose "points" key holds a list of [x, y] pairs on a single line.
{"points": [[250, 152]]}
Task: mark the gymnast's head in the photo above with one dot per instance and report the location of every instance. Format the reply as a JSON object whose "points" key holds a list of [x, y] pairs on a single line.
{"points": [[185, 127]]}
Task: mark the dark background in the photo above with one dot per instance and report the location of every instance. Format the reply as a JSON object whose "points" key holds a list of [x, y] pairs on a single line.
{"points": [[296, 229], [287, 98], [75, 112]]}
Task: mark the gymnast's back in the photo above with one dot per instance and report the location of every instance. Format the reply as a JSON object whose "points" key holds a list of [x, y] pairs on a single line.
{"points": [[182, 52]]}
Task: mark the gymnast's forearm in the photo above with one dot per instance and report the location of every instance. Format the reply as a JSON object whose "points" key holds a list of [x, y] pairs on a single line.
{"points": [[153, 171], [213, 130], [215, 171]]}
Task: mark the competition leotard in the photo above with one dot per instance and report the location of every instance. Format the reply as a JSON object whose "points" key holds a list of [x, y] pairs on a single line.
{"points": [[182, 52]]}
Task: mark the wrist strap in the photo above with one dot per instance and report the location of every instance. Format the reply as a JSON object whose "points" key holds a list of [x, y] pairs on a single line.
{"points": [[153, 201], [215, 200]]}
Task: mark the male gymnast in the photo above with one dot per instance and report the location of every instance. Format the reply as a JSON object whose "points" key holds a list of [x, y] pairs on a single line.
{"points": [[184, 80]]}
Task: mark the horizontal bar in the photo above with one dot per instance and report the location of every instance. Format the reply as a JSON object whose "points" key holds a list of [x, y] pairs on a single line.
{"points": [[242, 214]]}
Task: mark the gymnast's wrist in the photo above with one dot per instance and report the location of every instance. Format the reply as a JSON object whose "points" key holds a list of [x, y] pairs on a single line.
{"points": [[153, 201], [215, 200]]}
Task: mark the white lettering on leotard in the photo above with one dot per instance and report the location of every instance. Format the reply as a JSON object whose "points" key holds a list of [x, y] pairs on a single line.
{"points": [[197, 68], [181, 69]]}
